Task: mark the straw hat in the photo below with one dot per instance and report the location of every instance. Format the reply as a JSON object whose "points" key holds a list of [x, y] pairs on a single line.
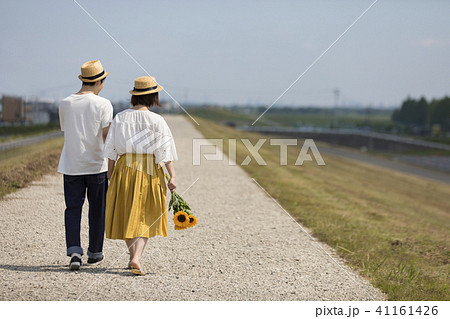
{"points": [[92, 71], [145, 85]]}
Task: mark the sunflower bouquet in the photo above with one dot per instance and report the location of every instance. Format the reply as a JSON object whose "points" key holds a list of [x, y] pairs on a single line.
{"points": [[183, 218]]}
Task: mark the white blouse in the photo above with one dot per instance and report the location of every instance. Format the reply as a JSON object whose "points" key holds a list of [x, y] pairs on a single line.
{"points": [[140, 132]]}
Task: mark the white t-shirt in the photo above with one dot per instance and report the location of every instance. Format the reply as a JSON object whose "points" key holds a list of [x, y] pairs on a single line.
{"points": [[82, 119], [140, 132]]}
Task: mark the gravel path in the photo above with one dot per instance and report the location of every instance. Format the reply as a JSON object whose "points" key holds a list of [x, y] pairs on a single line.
{"points": [[232, 254]]}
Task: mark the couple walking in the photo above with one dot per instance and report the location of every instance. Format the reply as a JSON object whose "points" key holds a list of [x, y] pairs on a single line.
{"points": [[129, 151]]}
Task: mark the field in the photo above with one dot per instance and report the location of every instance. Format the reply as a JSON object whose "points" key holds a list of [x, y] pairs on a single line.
{"points": [[393, 228], [20, 166], [289, 117]]}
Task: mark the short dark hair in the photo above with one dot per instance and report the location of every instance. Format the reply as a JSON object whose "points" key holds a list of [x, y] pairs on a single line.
{"points": [[146, 99], [93, 83]]}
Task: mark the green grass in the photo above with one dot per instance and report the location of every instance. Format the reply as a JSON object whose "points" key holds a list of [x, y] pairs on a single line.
{"points": [[296, 117], [20, 166], [8, 133], [393, 228], [219, 114], [328, 119]]}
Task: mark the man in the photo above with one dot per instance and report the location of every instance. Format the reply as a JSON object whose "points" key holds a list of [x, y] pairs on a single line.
{"points": [[85, 118]]}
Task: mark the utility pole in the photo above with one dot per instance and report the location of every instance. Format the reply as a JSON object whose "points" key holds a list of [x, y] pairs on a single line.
{"points": [[336, 97]]}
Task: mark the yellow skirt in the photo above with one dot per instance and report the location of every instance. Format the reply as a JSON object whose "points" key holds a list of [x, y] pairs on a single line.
{"points": [[136, 199]]}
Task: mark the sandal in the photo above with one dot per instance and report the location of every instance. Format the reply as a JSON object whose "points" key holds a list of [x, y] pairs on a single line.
{"points": [[135, 270]]}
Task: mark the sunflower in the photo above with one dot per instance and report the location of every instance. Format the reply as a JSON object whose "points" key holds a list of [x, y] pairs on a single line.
{"points": [[192, 220], [179, 228], [181, 219]]}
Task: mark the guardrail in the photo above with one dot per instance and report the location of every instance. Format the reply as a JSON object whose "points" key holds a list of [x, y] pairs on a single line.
{"points": [[29, 140]]}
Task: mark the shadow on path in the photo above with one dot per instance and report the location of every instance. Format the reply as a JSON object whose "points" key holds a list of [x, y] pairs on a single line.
{"points": [[64, 269]]}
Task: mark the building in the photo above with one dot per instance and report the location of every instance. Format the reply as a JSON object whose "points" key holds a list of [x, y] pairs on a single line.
{"points": [[15, 110], [43, 110]]}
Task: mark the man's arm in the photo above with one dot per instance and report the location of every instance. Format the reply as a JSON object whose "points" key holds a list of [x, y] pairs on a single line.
{"points": [[61, 118], [107, 116], [105, 132]]}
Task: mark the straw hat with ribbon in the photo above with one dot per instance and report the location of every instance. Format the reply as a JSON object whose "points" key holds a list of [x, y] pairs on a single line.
{"points": [[145, 85], [92, 71]]}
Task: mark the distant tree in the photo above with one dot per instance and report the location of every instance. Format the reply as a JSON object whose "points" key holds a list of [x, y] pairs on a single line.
{"points": [[439, 113], [412, 112]]}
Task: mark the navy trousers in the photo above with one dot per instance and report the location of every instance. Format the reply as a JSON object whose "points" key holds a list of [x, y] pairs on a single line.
{"points": [[75, 187]]}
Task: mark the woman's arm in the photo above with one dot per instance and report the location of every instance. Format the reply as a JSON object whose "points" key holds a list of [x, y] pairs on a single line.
{"points": [[172, 182], [111, 164]]}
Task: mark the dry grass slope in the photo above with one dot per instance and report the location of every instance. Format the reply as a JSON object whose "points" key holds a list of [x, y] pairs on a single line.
{"points": [[18, 167]]}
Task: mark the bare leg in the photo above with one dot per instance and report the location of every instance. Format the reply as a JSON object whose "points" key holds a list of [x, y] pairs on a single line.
{"points": [[139, 247], [131, 248], [137, 250]]}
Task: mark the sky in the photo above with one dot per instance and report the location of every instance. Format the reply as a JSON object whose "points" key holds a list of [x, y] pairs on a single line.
{"points": [[231, 52]]}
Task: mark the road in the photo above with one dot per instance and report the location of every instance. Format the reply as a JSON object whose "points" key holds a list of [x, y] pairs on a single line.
{"points": [[436, 175]]}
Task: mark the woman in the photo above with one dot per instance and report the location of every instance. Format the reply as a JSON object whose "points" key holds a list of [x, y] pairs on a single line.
{"points": [[136, 199]]}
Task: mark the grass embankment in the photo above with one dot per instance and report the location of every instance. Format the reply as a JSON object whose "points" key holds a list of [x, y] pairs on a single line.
{"points": [[20, 166], [9, 133], [319, 118], [296, 117], [394, 228]]}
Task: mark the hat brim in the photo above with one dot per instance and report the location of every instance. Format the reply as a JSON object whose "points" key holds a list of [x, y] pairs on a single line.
{"points": [[159, 88], [94, 80]]}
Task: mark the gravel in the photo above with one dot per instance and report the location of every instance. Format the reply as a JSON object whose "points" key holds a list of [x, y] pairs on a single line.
{"points": [[232, 254]]}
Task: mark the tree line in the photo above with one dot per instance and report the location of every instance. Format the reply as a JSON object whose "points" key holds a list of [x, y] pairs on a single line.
{"points": [[430, 116]]}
